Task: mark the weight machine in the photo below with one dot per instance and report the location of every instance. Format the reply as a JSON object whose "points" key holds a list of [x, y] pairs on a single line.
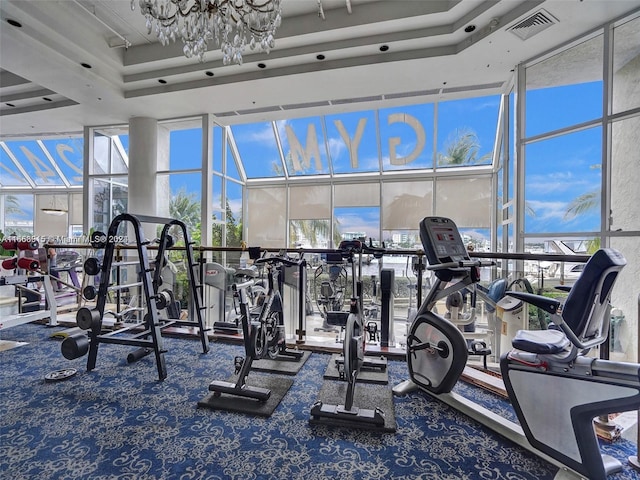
{"points": [[146, 336], [23, 267]]}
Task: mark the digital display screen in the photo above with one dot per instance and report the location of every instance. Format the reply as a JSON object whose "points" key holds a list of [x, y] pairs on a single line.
{"points": [[445, 241]]}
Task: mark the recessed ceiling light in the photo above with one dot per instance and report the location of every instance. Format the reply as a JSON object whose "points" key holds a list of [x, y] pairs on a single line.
{"points": [[162, 81], [85, 65], [469, 28], [14, 23], [320, 57], [384, 48], [208, 73], [47, 99], [262, 65]]}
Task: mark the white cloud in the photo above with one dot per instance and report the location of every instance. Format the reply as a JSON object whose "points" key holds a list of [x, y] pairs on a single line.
{"points": [[548, 210]]}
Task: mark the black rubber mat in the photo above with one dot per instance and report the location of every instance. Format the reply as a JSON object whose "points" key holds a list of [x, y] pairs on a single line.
{"points": [[279, 387], [366, 396], [365, 376], [283, 367]]}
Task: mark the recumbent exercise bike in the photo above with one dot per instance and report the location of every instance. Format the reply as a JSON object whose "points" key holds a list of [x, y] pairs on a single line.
{"points": [[555, 388]]}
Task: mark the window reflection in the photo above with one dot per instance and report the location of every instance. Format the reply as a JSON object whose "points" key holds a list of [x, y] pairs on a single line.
{"points": [[406, 137], [34, 161], [303, 146], [9, 173], [352, 142], [258, 149], [467, 131], [67, 154]]}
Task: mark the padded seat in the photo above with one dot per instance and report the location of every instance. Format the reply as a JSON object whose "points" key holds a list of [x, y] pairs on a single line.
{"points": [[582, 321], [495, 292], [250, 272], [338, 319], [542, 342]]}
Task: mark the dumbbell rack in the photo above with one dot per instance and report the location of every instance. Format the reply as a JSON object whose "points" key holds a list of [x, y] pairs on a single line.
{"points": [[20, 265], [150, 339], [196, 288]]}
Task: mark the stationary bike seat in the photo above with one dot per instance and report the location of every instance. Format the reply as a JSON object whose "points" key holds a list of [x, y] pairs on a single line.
{"points": [[542, 342]]}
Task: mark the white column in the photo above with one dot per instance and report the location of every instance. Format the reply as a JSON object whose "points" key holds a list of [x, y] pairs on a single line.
{"points": [[143, 165], [207, 180]]}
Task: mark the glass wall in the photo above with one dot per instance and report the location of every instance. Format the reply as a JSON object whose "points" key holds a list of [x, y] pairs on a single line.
{"points": [[108, 182], [38, 178], [179, 178], [579, 156], [550, 166]]}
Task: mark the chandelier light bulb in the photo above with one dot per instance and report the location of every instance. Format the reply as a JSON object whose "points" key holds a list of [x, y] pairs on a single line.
{"points": [[232, 24]]}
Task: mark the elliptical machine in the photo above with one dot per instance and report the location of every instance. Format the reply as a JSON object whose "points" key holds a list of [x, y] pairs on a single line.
{"points": [[555, 389]]}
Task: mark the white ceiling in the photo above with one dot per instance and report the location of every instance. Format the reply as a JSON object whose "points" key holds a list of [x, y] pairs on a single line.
{"points": [[430, 56]]}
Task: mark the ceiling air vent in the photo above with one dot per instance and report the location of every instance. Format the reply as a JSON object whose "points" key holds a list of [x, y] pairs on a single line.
{"points": [[533, 24]]}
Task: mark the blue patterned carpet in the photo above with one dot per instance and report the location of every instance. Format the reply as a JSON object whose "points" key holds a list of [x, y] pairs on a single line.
{"points": [[119, 422]]}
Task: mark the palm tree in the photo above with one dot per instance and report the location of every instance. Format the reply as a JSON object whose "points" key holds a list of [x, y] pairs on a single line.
{"points": [[186, 208], [12, 205], [309, 229], [462, 148], [582, 203]]}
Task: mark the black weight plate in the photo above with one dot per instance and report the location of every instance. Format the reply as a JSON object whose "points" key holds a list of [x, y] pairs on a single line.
{"points": [[98, 239]]}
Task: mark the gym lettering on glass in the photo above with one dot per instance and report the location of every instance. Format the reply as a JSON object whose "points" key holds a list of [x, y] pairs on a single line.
{"points": [[43, 169], [301, 157]]}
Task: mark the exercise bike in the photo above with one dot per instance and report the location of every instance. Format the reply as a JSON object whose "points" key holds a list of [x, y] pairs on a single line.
{"points": [[264, 334], [270, 340], [555, 388], [353, 354]]}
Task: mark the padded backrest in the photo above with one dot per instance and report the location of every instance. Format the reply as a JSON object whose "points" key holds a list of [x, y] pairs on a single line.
{"points": [[588, 299], [495, 292]]}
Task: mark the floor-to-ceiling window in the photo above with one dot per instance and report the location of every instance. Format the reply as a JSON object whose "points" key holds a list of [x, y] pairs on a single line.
{"points": [[41, 183], [579, 158], [108, 177]]}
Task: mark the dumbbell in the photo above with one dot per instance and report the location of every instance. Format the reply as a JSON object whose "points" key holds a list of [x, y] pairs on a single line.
{"points": [[10, 263], [89, 292], [22, 262], [138, 354], [92, 266], [169, 241], [163, 299], [75, 346], [13, 244], [87, 318]]}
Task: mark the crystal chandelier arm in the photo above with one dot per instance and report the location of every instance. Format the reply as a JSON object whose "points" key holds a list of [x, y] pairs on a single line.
{"points": [[198, 21]]}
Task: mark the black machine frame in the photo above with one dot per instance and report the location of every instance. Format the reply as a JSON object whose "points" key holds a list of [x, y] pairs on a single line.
{"points": [[148, 335]]}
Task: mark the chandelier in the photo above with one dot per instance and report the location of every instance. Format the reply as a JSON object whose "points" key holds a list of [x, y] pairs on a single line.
{"points": [[232, 24]]}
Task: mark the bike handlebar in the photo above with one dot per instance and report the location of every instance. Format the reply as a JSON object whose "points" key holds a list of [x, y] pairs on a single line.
{"points": [[461, 264], [281, 260], [349, 247]]}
